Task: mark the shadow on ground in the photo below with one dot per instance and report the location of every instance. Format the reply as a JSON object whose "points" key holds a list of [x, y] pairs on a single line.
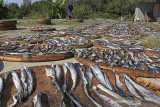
{"points": [[21, 28], [1, 66]]}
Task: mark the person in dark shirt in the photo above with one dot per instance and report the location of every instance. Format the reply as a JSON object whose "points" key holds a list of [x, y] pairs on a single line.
{"points": [[70, 11]]}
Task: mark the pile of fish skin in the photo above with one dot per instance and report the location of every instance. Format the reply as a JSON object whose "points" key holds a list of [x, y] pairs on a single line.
{"points": [[124, 44], [24, 85], [31, 49], [30, 37], [68, 41], [131, 59], [55, 72], [52, 33], [42, 27], [141, 28]]}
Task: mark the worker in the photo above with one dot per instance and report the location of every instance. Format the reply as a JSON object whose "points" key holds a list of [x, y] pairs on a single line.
{"points": [[70, 11]]}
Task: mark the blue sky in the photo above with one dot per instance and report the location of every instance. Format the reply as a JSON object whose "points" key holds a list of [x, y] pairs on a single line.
{"points": [[18, 1]]}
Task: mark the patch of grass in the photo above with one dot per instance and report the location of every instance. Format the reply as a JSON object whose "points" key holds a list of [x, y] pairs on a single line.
{"points": [[2, 32], [151, 42], [26, 24], [71, 23]]}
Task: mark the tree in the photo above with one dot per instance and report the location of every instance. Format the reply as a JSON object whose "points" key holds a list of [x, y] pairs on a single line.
{"points": [[14, 10], [25, 8]]}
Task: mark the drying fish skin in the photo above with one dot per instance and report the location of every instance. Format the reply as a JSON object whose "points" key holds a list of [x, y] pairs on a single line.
{"points": [[81, 73], [38, 100], [85, 89], [96, 71], [101, 77], [30, 80], [103, 98], [117, 96], [18, 85], [50, 73], [144, 90], [88, 74], [1, 86], [15, 101], [23, 79], [119, 85], [132, 89], [109, 84], [153, 69], [73, 72], [74, 99], [58, 73], [62, 103], [64, 87]]}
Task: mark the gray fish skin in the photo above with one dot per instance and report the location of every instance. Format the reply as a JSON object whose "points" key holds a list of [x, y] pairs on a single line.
{"points": [[64, 87], [80, 72], [58, 73], [105, 98], [75, 100], [18, 85], [119, 85], [84, 86], [37, 100], [133, 90], [84, 83], [144, 90], [50, 72], [7, 76], [74, 73], [98, 74], [101, 77], [1, 86], [117, 96], [62, 103], [109, 84], [88, 75], [14, 102], [29, 80]]}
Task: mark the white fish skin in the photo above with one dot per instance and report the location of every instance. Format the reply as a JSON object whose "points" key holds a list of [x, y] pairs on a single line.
{"points": [[117, 96], [88, 75], [103, 98], [14, 102], [64, 87], [1, 86], [119, 85], [23, 79], [50, 72], [18, 85], [74, 73], [29, 80], [132, 89], [144, 90]]}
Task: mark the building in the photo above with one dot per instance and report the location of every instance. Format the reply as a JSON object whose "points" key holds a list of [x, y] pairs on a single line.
{"points": [[149, 7]]}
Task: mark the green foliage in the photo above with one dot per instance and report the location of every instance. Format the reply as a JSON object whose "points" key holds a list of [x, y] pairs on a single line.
{"points": [[14, 11], [84, 9], [47, 9], [25, 8]]}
